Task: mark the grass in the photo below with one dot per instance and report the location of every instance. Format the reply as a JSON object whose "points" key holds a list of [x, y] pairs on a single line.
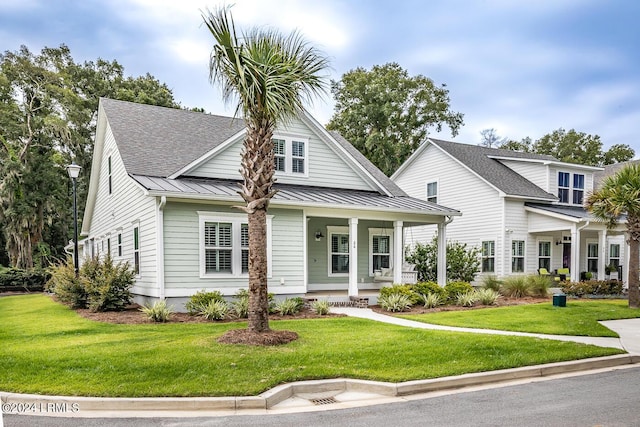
{"points": [[49, 349], [577, 318]]}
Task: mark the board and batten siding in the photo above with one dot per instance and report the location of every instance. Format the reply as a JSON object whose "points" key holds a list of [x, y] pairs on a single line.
{"points": [[120, 212], [325, 167], [182, 250], [458, 188], [535, 172]]}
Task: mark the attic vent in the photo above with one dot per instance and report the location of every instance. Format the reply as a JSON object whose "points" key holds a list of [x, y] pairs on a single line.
{"points": [[324, 401]]}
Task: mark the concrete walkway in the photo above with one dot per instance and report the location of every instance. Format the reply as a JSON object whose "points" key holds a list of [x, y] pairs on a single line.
{"points": [[629, 329]]}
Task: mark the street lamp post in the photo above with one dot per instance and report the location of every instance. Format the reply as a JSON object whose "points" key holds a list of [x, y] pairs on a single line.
{"points": [[74, 171]]}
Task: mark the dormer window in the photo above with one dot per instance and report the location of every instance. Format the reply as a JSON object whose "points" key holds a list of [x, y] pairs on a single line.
{"points": [[290, 155], [568, 193], [563, 187], [578, 188]]}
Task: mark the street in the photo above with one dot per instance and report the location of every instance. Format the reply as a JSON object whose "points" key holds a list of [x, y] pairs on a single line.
{"points": [[609, 398]]}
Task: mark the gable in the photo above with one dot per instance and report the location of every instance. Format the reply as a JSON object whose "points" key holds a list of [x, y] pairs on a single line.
{"points": [[321, 163]]}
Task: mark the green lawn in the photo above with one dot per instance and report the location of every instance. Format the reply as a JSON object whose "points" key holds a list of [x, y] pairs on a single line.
{"points": [[577, 318], [49, 349]]}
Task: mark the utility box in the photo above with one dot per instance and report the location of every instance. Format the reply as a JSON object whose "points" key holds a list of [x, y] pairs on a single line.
{"points": [[559, 300]]}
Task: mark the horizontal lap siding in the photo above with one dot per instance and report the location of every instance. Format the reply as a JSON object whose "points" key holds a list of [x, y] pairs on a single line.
{"points": [[534, 172], [326, 168], [518, 226], [118, 211]]}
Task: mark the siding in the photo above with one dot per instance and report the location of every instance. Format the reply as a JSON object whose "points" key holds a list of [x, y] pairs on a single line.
{"points": [[534, 172], [182, 249], [325, 167], [118, 211]]}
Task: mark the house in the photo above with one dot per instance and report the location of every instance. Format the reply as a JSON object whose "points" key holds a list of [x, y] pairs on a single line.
{"points": [[523, 211], [164, 185]]}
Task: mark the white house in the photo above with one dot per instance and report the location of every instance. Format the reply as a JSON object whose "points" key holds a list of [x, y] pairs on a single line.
{"points": [[524, 211], [164, 185]]}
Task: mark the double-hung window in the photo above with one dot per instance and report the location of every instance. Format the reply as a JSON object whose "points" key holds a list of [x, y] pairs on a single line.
{"points": [[224, 244], [119, 244], [380, 249], [614, 254], [592, 257], [544, 255], [109, 173], [291, 155], [338, 242], [578, 189], [488, 256], [563, 187], [136, 249], [432, 192], [517, 256]]}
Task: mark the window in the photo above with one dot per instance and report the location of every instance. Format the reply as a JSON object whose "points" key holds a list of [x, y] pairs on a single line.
{"points": [[592, 257], [380, 249], [119, 244], [614, 254], [563, 187], [432, 192], [224, 244], [290, 155], [578, 189], [109, 172], [338, 242], [544, 255], [136, 250], [109, 246], [517, 256], [488, 256]]}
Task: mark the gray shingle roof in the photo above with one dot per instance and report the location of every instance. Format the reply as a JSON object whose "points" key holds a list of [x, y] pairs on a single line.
{"points": [[159, 141], [293, 194], [478, 159]]}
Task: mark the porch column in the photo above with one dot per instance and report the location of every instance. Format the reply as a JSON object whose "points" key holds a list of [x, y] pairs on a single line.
{"points": [[353, 257], [442, 254], [398, 253], [575, 253], [602, 256]]}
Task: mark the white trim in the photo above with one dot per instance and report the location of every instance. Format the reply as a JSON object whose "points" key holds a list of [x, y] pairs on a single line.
{"points": [[523, 256], [333, 229], [382, 232], [544, 239], [547, 162], [353, 257], [591, 241], [482, 257], [136, 225], [426, 190], [230, 291], [288, 139], [161, 203]]}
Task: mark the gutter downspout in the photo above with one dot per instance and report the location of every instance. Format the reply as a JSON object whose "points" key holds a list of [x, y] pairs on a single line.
{"points": [[160, 246]]}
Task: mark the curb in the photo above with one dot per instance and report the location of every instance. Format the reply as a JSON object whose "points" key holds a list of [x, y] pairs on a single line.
{"points": [[51, 405]]}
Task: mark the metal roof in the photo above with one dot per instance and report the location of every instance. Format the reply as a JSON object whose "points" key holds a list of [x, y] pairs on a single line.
{"points": [[217, 189], [578, 212]]}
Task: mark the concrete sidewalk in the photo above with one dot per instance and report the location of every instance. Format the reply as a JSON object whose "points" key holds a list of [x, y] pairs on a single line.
{"points": [[628, 329]]}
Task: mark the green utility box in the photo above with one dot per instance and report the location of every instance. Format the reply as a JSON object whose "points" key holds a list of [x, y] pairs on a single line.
{"points": [[559, 300]]}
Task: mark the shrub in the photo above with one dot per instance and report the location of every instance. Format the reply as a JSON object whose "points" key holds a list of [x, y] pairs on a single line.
{"points": [[240, 304], [66, 286], [215, 310], [201, 299], [431, 300], [395, 302], [426, 288], [592, 287], [15, 279], [455, 288], [516, 287], [158, 312], [289, 306], [321, 307], [539, 285], [463, 262], [407, 290], [467, 300], [110, 287], [487, 296], [491, 282]]}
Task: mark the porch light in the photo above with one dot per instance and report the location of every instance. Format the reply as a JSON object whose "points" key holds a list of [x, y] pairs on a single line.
{"points": [[319, 235]]}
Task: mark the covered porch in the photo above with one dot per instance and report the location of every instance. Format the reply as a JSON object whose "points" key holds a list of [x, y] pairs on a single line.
{"points": [[568, 237]]}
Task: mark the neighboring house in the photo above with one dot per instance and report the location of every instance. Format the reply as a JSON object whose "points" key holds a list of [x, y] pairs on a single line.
{"points": [[164, 185], [523, 211]]}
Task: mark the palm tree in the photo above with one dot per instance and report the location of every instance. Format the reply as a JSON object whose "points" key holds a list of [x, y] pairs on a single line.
{"points": [[270, 76], [620, 195]]}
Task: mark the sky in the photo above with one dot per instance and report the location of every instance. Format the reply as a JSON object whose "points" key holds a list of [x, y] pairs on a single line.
{"points": [[524, 68]]}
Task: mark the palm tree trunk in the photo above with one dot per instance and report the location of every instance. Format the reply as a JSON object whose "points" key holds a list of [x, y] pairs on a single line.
{"points": [[258, 298], [634, 261]]}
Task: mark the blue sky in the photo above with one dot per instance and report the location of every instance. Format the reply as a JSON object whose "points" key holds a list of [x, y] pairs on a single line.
{"points": [[524, 68]]}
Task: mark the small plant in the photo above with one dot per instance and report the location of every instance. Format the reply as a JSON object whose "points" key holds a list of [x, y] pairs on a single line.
{"points": [[539, 285], [516, 287], [395, 302], [289, 306], [240, 304], [400, 289], [491, 282], [215, 310], [487, 296], [320, 307], [467, 299], [425, 288], [455, 288], [431, 300], [158, 312], [201, 299]]}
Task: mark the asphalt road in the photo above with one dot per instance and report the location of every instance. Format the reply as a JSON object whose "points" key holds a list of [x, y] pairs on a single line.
{"points": [[603, 399]]}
